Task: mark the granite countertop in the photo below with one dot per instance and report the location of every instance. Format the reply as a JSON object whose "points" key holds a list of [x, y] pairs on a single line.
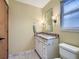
{"points": [[47, 36]]}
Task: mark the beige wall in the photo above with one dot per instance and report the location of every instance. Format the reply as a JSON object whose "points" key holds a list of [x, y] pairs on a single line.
{"points": [[68, 37], [21, 18]]}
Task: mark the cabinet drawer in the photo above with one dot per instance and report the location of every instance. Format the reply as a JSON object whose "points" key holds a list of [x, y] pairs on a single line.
{"points": [[40, 39], [44, 51]]}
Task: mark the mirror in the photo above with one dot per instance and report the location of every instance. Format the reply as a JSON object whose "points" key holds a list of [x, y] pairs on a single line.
{"points": [[48, 19]]}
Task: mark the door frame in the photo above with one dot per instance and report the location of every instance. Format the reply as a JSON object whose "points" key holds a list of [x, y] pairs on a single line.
{"points": [[7, 27]]}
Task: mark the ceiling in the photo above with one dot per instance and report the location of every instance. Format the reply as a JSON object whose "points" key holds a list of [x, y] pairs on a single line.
{"points": [[36, 3]]}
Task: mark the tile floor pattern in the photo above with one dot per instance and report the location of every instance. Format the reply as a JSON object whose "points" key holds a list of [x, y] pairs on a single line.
{"points": [[24, 55]]}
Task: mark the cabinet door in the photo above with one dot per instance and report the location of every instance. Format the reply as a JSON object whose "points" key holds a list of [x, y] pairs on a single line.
{"points": [[3, 29], [41, 49], [44, 51], [36, 43]]}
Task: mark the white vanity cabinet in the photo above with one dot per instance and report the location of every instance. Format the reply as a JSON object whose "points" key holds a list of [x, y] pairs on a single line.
{"points": [[46, 46]]}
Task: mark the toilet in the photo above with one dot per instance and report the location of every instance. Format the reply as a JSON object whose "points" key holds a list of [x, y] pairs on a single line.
{"points": [[68, 51]]}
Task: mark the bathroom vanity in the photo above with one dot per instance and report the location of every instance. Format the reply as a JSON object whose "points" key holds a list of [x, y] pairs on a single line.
{"points": [[46, 45]]}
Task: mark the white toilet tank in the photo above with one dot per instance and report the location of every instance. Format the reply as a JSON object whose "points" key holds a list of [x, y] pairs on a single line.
{"points": [[68, 51]]}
